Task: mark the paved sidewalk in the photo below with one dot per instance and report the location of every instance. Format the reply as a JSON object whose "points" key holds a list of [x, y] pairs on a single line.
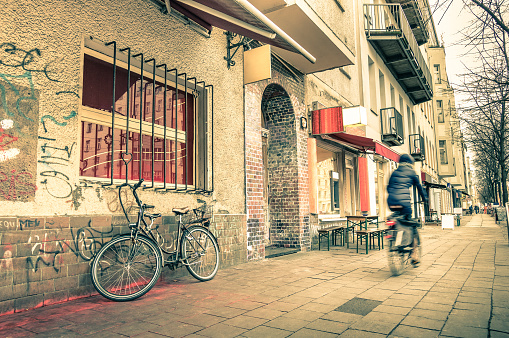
{"points": [[461, 289]]}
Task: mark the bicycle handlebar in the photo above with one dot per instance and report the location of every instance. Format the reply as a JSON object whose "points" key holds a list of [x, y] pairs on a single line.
{"points": [[137, 185], [133, 189]]}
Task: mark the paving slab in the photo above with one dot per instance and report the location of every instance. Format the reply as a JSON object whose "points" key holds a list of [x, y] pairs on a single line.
{"points": [[309, 333], [412, 331]]}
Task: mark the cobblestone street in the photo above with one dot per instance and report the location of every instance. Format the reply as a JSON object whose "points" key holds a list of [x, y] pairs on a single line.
{"points": [[461, 289]]}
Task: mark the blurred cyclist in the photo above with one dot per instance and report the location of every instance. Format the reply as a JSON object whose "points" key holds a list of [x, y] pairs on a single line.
{"points": [[399, 199]]}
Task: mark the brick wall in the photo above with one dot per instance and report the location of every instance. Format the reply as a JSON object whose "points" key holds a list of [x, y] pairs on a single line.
{"points": [[281, 99], [46, 260]]}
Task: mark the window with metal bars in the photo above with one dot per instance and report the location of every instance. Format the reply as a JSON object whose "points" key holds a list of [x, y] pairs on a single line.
{"points": [[169, 142]]}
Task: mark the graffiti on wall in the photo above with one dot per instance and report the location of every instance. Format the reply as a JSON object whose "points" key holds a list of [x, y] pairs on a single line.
{"points": [[18, 141], [48, 249], [19, 123]]}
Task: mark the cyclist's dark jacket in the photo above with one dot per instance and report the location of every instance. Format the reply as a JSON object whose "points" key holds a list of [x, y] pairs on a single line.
{"points": [[400, 182]]}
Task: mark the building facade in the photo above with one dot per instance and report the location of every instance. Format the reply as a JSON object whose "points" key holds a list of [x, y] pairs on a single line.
{"points": [[284, 116]]}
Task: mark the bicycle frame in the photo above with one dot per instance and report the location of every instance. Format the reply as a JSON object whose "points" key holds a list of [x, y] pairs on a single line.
{"points": [[137, 258], [147, 230]]}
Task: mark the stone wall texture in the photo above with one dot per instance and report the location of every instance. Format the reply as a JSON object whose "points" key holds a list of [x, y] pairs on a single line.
{"points": [[45, 260]]}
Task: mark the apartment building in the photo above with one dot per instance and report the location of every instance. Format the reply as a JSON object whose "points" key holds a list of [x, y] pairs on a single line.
{"points": [[452, 164], [396, 91], [404, 87]]}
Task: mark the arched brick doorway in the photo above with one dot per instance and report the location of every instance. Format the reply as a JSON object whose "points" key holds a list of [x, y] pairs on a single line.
{"points": [[280, 169], [277, 195]]}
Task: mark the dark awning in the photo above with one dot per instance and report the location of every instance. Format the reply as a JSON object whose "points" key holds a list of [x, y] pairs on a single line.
{"points": [[241, 17], [435, 185], [365, 144]]}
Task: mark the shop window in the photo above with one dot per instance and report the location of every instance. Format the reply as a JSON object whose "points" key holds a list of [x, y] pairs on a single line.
{"points": [[168, 144], [325, 165], [334, 186]]}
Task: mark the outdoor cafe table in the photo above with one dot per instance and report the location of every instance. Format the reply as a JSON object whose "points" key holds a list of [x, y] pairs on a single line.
{"points": [[357, 220]]}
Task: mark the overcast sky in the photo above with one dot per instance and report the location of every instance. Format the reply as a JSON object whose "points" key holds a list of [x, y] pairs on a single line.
{"points": [[449, 26]]}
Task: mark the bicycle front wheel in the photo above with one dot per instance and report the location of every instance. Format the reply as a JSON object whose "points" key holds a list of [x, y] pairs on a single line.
{"points": [[200, 253], [125, 269]]}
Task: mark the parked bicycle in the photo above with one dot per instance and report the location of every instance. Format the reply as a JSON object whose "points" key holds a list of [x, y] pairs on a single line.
{"points": [[403, 240], [129, 265]]}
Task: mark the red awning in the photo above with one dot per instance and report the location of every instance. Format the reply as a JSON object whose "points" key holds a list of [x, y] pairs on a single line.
{"points": [[380, 149], [327, 121], [365, 144]]}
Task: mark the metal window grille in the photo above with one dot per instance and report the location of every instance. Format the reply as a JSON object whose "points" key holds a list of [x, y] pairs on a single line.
{"points": [[171, 147]]}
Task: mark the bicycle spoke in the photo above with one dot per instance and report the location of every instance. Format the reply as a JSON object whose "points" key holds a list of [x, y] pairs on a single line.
{"points": [[126, 269]]}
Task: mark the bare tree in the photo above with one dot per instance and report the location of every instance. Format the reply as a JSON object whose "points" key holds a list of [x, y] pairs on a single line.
{"points": [[486, 170], [484, 116]]}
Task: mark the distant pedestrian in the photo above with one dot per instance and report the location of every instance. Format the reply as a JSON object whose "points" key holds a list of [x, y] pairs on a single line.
{"points": [[476, 208], [470, 209]]}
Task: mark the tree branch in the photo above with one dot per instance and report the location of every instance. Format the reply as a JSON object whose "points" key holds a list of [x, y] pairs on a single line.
{"points": [[490, 13]]}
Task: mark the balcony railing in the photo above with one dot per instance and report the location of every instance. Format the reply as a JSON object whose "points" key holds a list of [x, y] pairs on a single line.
{"points": [[417, 15], [392, 126], [417, 147], [388, 21]]}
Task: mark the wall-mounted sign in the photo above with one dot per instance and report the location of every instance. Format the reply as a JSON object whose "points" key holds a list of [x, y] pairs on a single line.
{"points": [[257, 64], [327, 121]]}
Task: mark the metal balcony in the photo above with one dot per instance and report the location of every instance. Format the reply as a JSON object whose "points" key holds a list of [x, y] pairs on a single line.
{"points": [[417, 147], [388, 31], [417, 14], [392, 126]]}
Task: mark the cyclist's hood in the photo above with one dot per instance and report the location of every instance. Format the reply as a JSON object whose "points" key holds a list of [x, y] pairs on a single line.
{"points": [[405, 158]]}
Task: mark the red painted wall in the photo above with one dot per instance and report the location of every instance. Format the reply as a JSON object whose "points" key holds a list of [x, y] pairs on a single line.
{"points": [[363, 183]]}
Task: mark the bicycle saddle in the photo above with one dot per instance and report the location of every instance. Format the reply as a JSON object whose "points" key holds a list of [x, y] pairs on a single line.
{"points": [[152, 216], [180, 211]]}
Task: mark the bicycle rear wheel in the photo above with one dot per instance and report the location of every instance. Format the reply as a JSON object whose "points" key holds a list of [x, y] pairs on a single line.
{"points": [[200, 253], [397, 259], [125, 269]]}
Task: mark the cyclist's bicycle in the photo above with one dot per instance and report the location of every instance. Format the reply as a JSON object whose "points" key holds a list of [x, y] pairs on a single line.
{"points": [[402, 241], [129, 265]]}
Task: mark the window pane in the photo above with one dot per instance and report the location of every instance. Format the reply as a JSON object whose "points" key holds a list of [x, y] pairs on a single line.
{"points": [[98, 83], [443, 151], [325, 164], [440, 111], [96, 153], [98, 88], [436, 69]]}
